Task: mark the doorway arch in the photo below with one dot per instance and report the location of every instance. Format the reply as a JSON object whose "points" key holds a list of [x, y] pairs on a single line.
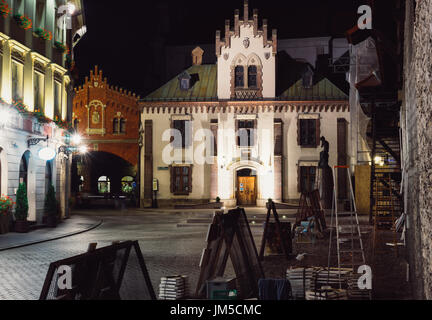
{"points": [[246, 186]]}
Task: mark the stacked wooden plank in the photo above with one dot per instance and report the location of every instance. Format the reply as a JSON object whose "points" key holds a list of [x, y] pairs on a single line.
{"points": [[354, 292], [314, 279], [330, 277], [327, 294], [301, 280], [173, 288]]}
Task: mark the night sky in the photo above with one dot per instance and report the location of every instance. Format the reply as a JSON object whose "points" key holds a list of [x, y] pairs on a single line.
{"points": [[126, 38]]}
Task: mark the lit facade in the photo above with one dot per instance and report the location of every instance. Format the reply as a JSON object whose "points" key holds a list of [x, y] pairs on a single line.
{"points": [[241, 140], [108, 119], [36, 92]]}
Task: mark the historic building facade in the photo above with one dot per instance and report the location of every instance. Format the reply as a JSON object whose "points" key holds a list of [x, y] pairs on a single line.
{"points": [[227, 131], [107, 118], [36, 98]]}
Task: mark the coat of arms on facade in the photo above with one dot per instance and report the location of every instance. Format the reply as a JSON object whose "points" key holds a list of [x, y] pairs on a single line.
{"points": [[96, 117], [226, 56], [246, 43], [267, 55]]}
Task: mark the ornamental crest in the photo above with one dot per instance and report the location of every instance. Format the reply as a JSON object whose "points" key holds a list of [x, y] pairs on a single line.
{"points": [[267, 55], [96, 117], [226, 56], [246, 43]]}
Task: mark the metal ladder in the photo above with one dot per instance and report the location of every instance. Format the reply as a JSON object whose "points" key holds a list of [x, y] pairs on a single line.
{"points": [[349, 243]]}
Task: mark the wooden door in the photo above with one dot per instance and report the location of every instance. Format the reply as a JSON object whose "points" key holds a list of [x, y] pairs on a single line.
{"points": [[246, 191]]}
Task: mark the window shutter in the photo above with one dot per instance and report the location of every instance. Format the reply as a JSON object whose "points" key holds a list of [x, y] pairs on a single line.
{"points": [[255, 135], [237, 137], [298, 178], [318, 131], [172, 127], [299, 132], [172, 177], [190, 180], [188, 133]]}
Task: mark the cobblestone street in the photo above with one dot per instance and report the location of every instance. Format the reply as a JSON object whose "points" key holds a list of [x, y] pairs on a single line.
{"points": [[167, 250]]}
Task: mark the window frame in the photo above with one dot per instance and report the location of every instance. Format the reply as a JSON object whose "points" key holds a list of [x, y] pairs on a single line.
{"points": [[307, 170], [178, 172], [251, 131], [239, 76], [313, 121], [253, 74], [185, 134]]}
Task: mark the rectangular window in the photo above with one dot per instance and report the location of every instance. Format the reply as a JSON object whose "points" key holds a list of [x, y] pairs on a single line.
{"points": [[122, 126], [116, 125], [309, 133], [57, 99], [19, 7], [184, 127], [239, 77], [181, 180], [39, 91], [246, 133], [307, 177], [252, 77], [17, 81], [40, 14]]}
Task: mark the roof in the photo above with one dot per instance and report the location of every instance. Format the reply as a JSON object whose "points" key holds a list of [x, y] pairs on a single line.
{"points": [[323, 90], [203, 86]]}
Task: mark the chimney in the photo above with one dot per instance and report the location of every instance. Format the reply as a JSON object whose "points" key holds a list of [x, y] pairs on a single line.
{"points": [[236, 22], [255, 22], [197, 55], [265, 31], [246, 12]]}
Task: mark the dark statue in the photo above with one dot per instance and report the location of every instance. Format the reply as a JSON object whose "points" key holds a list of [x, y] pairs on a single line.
{"points": [[324, 155]]}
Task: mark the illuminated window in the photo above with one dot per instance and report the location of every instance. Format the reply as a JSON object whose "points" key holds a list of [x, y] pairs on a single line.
{"points": [[127, 184], [17, 81], [57, 99], [104, 185], [39, 90]]}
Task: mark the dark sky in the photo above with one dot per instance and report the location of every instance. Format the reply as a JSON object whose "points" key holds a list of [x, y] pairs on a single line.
{"points": [[126, 38]]}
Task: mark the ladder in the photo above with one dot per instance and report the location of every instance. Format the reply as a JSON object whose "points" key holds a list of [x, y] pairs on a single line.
{"points": [[386, 208], [349, 243]]}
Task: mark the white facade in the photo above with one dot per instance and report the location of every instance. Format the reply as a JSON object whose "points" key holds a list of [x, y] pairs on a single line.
{"points": [[244, 97]]}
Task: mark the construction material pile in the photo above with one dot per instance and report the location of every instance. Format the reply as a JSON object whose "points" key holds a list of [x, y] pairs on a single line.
{"points": [[173, 288], [318, 283]]}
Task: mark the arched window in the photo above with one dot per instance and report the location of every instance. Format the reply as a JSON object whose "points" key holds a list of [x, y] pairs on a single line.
{"points": [[252, 76], [48, 175], [104, 185], [116, 125], [239, 77], [127, 184], [122, 125], [23, 171]]}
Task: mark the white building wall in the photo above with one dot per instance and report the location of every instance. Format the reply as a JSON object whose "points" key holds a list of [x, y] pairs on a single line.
{"points": [[229, 154], [236, 50]]}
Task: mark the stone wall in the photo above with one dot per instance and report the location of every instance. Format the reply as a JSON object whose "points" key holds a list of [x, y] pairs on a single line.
{"points": [[417, 143]]}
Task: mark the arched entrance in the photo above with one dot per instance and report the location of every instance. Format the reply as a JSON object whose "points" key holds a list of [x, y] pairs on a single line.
{"points": [[246, 187]]}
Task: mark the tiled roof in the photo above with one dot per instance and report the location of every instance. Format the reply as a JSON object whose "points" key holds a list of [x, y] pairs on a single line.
{"points": [[323, 90], [203, 86]]}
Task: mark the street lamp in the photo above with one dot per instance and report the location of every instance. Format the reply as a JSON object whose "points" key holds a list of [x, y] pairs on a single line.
{"points": [[76, 139], [71, 8]]}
